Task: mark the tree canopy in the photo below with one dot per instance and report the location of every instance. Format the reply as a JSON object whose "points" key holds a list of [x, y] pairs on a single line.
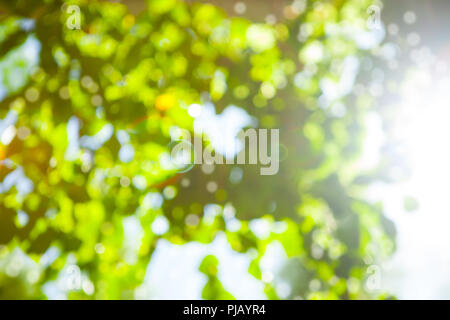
{"points": [[89, 114]]}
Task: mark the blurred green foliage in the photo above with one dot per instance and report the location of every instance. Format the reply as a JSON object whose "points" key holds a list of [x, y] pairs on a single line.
{"points": [[124, 80]]}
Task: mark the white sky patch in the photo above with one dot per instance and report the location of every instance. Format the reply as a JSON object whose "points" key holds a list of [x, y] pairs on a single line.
{"points": [[133, 233], [195, 110], [260, 227], [18, 179], [366, 39], [126, 153], [7, 122], [153, 200], [73, 149], [8, 135], [373, 142], [160, 225], [173, 271], [96, 141], [419, 268], [27, 55], [331, 90], [222, 129]]}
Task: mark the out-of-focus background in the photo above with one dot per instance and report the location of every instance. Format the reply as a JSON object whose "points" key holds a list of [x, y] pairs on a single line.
{"points": [[95, 95]]}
